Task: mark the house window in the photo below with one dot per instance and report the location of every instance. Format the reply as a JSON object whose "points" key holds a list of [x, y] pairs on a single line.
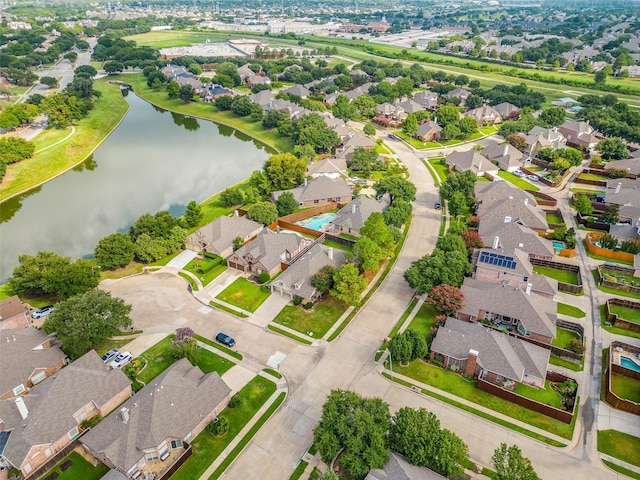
{"points": [[316, 201], [38, 377], [133, 470], [73, 433], [176, 444], [498, 378], [27, 467], [81, 416], [47, 452], [188, 437], [151, 456], [19, 389]]}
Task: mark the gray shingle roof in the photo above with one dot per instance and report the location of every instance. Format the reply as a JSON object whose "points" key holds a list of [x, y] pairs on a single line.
{"points": [[171, 406], [19, 356], [484, 113], [630, 165], [506, 109], [538, 314], [516, 206], [298, 90], [357, 211], [514, 235], [497, 352], [53, 402], [428, 127], [469, 160], [317, 189], [221, 232], [397, 468], [328, 165], [270, 248]]}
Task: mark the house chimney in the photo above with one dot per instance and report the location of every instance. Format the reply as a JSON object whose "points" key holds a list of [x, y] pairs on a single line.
{"points": [[235, 213], [353, 208], [528, 289], [330, 253], [124, 411], [507, 219], [618, 187], [496, 242], [505, 152], [22, 408], [472, 361]]}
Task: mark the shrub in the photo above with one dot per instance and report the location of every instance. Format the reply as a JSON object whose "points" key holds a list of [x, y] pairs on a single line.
{"points": [[576, 346], [308, 305], [297, 301], [234, 402], [219, 426], [264, 277]]}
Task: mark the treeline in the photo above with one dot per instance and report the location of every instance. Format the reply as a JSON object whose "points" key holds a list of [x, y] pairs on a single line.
{"points": [[610, 117]]}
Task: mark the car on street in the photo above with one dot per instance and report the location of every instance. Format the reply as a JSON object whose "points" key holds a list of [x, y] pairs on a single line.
{"points": [[225, 340], [391, 136], [110, 355], [437, 206], [41, 312], [121, 359]]}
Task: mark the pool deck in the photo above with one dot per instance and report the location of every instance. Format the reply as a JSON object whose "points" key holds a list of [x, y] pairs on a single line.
{"points": [[617, 353]]}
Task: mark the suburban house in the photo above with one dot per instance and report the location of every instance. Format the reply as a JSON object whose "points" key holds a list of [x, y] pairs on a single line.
{"points": [[338, 125], [267, 252], [513, 235], [497, 201], [389, 115], [49, 418], [328, 167], [629, 165], [539, 137], [429, 131], [355, 140], [190, 79], [428, 100], [625, 192], [254, 80], [490, 355], [507, 110], [471, 160], [512, 269], [264, 98], [459, 93], [245, 72], [153, 428], [13, 314], [508, 157], [579, 134], [297, 90], [397, 468], [484, 115], [510, 308], [27, 357], [319, 191], [212, 91], [218, 236], [352, 216], [171, 71], [295, 281], [409, 106]]}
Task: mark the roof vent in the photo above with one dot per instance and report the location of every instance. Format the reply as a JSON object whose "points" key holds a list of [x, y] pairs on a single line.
{"points": [[296, 286]]}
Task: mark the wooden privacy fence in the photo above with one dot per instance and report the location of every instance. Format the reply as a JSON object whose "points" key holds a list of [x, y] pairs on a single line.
{"points": [[543, 199], [59, 455], [615, 320], [178, 463], [618, 286], [566, 267], [310, 212], [590, 245]]}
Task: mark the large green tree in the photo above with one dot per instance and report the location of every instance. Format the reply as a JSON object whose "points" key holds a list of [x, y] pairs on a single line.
{"points": [[377, 230], [284, 171], [114, 251], [398, 213], [410, 124], [286, 204], [553, 116], [510, 464], [348, 285], [86, 320], [613, 149], [368, 254], [397, 187], [415, 434], [263, 212], [192, 215], [437, 268]]}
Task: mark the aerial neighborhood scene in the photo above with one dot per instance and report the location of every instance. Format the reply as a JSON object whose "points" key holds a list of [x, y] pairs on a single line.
{"points": [[357, 240]]}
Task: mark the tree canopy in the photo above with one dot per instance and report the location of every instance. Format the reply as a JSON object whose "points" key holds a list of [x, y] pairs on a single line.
{"points": [[263, 212], [284, 171], [397, 187], [348, 285], [114, 251], [510, 464]]}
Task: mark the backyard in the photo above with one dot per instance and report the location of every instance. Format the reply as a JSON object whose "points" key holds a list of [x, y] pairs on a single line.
{"points": [[74, 466], [628, 314], [554, 219], [617, 330], [612, 290], [619, 445], [244, 294], [560, 275], [626, 387], [207, 447], [315, 322], [563, 338], [546, 395]]}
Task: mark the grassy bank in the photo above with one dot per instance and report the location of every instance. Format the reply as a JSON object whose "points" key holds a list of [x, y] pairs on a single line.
{"points": [[207, 111], [89, 133]]}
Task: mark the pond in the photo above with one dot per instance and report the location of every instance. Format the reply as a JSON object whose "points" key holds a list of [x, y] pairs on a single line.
{"points": [[155, 160]]}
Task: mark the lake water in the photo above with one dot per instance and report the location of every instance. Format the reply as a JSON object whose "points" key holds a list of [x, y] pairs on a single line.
{"points": [[155, 160]]}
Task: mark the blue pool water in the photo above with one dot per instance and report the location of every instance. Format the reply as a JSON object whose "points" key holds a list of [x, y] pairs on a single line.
{"points": [[318, 222], [630, 364], [557, 246]]}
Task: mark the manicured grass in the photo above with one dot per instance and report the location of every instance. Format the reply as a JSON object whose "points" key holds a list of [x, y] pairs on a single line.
{"points": [[458, 386], [560, 275], [563, 338], [89, 132], [337, 245], [570, 310], [80, 469], [396, 327], [230, 310], [441, 168], [616, 330], [561, 362], [613, 291], [481, 414], [424, 320], [517, 181], [220, 347], [585, 190], [6, 291], [205, 110], [593, 176], [210, 362], [628, 279], [192, 282], [247, 438], [131, 269], [244, 294], [619, 445], [626, 387], [626, 313], [206, 269], [622, 470], [272, 372], [315, 322], [551, 218], [300, 468], [546, 395], [207, 447], [290, 335], [488, 130]]}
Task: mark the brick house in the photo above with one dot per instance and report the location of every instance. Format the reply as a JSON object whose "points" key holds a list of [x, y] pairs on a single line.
{"points": [[352, 216], [218, 236], [319, 191]]}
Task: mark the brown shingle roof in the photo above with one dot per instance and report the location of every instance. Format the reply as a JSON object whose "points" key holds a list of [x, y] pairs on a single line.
{"points": [[318, 189]]}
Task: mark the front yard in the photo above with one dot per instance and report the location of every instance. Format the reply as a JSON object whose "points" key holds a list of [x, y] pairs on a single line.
{"points": [[74, 466], [244, 294], [315, 322], [619, 445], [206, 268]]}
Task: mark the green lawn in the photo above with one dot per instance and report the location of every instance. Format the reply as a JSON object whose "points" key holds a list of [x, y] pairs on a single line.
{"points": [[441, 168], [89, 132], [570, 310], [396, 327], [192, 282], [622, 470], [563, 338], [230, 310], [456, 385], [616, 330], [220, 347], [244, 294], [315, 322], [80, 469], [559, 275], [517, 181], [593, 176], [585, 190], [613, 291], [626, 387], [300, 468], [619, 445], [561, 362], [546, 395], [207, 447], [206, 269], [285, 333], [626, 313], [6, 291], [627, 278], [551, 218], [424, 320]]}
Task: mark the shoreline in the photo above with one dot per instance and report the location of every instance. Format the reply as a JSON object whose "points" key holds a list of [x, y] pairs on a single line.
{"points": [[65, 170]]}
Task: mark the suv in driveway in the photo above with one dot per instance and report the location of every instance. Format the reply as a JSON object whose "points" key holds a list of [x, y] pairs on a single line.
{"points": [[41, 312], [225, 339]]}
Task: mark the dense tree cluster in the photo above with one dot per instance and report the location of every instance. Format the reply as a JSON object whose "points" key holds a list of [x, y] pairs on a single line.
{"points": [[610, 117]]}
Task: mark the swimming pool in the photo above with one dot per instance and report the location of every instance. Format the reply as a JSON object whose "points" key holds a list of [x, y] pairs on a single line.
{"points": [[557, 246], [628, 363], [318, 222]]}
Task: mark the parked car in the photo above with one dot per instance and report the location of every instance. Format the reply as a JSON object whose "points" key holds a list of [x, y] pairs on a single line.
{"points": [[41, 312], [225, 339], [437, 206], [110, 355], [121, 359], [518, 173], [532, 178], [392, 136]]}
